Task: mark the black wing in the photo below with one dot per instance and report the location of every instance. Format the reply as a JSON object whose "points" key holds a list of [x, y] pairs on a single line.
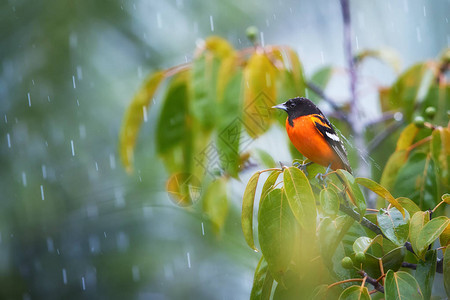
{"points": [[326, 129]]}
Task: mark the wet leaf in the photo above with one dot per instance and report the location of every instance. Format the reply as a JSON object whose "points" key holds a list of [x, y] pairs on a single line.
{"points": [[262, 282], [416, 180], [329, 201], [380, 191], [418, 221], [276, 231], [259, 94], [353, 191], [409, 205], [363, 243], [430, 232], [393, 225], [270, 182], [393, 259], [355, 292], [215, 203], [301, 197], [229, 127], [426, 269], [247, 210], [134, 116], [401, 285]]}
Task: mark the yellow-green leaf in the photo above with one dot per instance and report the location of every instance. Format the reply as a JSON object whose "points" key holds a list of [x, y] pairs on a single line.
{"points": [[247, 210], [215, 203], [401, 285], [134, 116], [407, 137], [262, 282], [329, 201], [444, 238], [355, 292], [430, 232], [409, 205], [353, 191], [380, 191], [417, 222]]}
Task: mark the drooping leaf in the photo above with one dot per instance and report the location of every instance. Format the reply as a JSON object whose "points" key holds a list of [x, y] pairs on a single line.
{"points": [[401, 285], [426, 269], [215, 203], [276, 231], [134, 116], [409, 205], [329, 201], [380, 191], [262, 282], [363, 243], [393, 225], [418, 221], [355, 292], [417, 181], [353, 191], [247, 210], [259, 94], [229, 127], [270, 182], [301, 197], [430, 232]]}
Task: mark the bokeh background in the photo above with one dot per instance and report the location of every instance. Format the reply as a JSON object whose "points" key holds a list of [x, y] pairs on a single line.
{"points": [[73, 224]]}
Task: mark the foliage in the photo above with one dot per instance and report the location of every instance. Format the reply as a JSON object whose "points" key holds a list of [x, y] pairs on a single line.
{"points": [[308, 230]]}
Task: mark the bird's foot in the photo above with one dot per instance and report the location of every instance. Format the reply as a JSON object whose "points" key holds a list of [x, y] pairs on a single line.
{"points": [[322, 177], [302, 167]]}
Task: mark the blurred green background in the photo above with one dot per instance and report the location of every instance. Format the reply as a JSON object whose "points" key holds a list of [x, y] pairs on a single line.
{"points": [[73, 224]]}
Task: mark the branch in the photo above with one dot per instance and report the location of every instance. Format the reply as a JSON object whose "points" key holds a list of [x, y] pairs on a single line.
{"points": [[317, 90], [409, 265], [372, 281]]}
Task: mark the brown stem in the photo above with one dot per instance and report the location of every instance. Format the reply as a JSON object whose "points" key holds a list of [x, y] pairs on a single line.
{"points": [[372, 281]]}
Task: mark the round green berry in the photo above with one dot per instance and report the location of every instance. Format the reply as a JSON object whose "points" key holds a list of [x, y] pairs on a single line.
{"points": [[347, 263], [430, 112], [252, 33], [360, 257], [419, 121]]}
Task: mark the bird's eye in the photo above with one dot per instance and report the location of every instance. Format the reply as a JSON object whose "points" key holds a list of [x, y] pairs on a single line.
{"points": [[292, 104]]}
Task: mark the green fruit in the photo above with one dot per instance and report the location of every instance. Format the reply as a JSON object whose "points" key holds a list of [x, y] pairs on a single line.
{"points": [[252, 33], [430, 112], [347, 263], [419, 121], [360, 257]]}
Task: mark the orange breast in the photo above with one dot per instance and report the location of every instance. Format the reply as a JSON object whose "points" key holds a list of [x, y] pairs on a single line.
{"points": [[310, 142]]}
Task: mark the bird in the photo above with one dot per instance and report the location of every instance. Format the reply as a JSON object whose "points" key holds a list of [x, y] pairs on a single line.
{"points": [[313, 135]]}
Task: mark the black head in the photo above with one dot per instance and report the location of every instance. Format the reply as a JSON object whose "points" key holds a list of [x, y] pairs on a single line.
{"points": [[297, 107]]}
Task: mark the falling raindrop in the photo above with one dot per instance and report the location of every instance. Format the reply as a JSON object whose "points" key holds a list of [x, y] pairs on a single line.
{"points": [[29, 99], [79, 73], [203, 229], [96, 166], [73, 148], [78, 102], [211, 22], [48, 98], [6, 119], [73, 81], [24, 179], [83, 283], [8, 138], [188, 260], [64, 276], [82, 130], [42, 192], [122, 241], [50, 245], [356, 42], [44, 171], [144, 112], [261, 34]]}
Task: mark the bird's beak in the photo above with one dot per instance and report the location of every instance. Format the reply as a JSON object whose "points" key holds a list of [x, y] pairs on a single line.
{"points": [[280, 106]]}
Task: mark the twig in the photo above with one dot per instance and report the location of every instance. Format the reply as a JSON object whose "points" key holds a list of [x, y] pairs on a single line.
{"points": [[372, 281], [364, 221], [409, 265]]}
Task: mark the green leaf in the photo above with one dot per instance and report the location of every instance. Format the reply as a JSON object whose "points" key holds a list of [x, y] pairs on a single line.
{"points": [[446, 267], [401, 285], [363, 243], [300, 196], [406, 92], [276, 231], [444, 238], [262, 282], [230, 126], [264, 158], [215, 203], [446, 198], [259, 94], [355, 292], [416, 180], [391, 261], [353, 191], [407, 137], [409, 205], [134, 116], [329, 201], [440, 152], [430, 232], [390, 172], [331, 233], [270, 182], [393, 225], [418, 221], [247, 210], [380, 191], [425, 273]]}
